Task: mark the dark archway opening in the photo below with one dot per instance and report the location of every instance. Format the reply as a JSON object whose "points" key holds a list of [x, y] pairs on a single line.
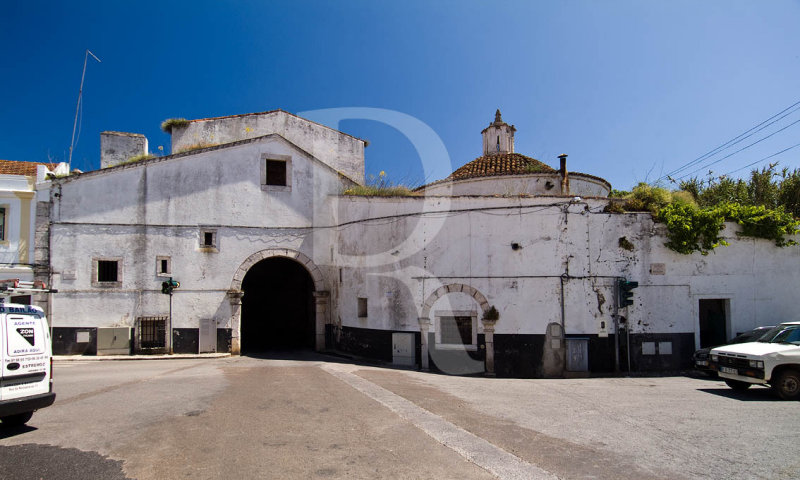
{"points": [[277, 307]]}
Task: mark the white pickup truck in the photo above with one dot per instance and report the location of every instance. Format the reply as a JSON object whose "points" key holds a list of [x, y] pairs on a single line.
{"points": [[774, 360], [26, 382]]}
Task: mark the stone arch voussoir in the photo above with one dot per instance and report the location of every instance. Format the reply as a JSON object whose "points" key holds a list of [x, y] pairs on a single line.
{"points": [[453, 288], [302, 259]]}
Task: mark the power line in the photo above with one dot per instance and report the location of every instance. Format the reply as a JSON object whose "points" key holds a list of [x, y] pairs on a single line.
{"points": [[737, 151], [742, 136], [765, 158]]}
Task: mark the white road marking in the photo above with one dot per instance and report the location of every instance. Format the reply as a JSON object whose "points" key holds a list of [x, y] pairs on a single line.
{"points": [[475, 449]]}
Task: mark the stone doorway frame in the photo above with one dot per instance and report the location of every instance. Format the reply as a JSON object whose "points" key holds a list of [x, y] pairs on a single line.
{"points": [[321, 294]]}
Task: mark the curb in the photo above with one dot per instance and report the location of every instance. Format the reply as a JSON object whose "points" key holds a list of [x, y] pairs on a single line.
{"points": [[104, 358]]}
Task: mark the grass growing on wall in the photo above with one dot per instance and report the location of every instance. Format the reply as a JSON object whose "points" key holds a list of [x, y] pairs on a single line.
{"points": [[196, 146], [380, 186], [168, 124], [136, 158]]}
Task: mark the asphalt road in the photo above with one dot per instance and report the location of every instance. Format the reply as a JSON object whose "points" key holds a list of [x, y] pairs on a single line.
{"points": [[309, 416]]}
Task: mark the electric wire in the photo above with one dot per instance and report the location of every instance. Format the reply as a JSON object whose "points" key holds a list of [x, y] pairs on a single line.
{"points": [[742, 136], [737, 151], [763, 159]]}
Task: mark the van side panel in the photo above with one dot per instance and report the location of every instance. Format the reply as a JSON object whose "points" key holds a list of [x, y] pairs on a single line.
{"points": [[25, 357]]}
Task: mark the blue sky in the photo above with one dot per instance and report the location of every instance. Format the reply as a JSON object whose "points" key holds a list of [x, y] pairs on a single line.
{"points": [[631, 90]]}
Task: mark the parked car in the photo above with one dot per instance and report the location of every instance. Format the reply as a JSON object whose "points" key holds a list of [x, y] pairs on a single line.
{"points": [[773, 359], [701, 356]]}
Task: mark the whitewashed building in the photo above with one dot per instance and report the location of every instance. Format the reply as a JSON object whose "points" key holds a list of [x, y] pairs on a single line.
{"points": [[251, 220], [19, 182]]}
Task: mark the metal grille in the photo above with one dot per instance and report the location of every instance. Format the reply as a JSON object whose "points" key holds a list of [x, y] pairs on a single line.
{"points": [[152, 332], [733, 362]]}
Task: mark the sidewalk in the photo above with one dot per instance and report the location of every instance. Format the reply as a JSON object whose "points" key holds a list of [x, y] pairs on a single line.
{"points": [[97, 358]]}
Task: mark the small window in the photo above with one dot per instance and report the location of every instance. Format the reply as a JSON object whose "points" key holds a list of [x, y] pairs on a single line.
{"points": [[208, 239], [276, 172], [107, 270], [163, 266], [362, 308]]}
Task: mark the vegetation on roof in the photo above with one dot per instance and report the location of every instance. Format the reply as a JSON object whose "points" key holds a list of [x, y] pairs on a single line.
{"points": [[766, 206], [196, 146], [136, 158], [168, 124], [380, 186]]}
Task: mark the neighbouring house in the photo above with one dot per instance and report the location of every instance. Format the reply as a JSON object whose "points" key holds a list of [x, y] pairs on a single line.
{"points": [[20, 217], [508, 266]]}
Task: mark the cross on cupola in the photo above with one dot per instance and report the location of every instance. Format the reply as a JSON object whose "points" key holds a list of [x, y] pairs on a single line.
{"points": [[498, 137]]}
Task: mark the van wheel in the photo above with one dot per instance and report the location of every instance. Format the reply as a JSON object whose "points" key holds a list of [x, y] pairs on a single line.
{"points": [[737, 385], [787, 385], [16, 420]]}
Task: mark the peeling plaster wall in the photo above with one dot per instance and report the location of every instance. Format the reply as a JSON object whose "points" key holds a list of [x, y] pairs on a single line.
{"points": [[474, 245]]}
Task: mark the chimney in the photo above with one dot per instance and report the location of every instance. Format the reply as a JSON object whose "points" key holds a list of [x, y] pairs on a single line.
{"points": [[564, 176], [118, 147]]}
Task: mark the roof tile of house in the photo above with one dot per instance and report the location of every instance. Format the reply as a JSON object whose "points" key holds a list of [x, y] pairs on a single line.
{"points": [[12, 167], [500, 164]]}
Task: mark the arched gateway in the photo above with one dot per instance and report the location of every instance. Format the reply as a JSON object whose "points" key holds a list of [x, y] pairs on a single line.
{"points": [[278, 300]]}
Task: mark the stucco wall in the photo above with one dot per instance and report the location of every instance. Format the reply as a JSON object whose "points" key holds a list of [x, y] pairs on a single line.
{"points": [[136, 213], [474, 245], [533, 184], [341, 151]]}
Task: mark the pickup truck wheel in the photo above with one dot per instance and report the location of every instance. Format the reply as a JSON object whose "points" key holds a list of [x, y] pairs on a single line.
{"points": [[787, 385], [737, 385], [16, 420]]}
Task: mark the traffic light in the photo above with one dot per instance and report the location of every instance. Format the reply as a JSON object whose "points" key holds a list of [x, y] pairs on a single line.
{"points": [[168, 286], [625, 292]]}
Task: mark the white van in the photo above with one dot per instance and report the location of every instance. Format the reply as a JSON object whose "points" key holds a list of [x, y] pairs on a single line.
{"points": [[26, 382]]}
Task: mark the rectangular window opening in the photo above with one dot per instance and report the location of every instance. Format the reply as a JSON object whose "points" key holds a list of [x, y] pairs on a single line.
{"points": [[163, 266], [107, 270], [276, 172], [362, 308], [456, 330]]}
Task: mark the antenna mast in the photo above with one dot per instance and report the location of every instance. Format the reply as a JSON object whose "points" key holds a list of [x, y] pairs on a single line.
{"points": [[77, 106]]}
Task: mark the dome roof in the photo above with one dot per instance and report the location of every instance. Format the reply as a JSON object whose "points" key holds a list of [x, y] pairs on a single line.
{"points": [[500, 164]]}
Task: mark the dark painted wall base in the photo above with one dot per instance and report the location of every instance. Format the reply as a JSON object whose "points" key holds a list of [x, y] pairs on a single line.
{"points": [[184, 340], [65, 341], [520, 356], [224, 340]]}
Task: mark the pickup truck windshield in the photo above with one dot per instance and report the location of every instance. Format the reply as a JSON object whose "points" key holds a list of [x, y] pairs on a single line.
{"points": [[782, 334]]}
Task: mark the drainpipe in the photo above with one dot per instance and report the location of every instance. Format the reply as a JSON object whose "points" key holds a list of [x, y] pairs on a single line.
{"points": [[564, 176]]}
